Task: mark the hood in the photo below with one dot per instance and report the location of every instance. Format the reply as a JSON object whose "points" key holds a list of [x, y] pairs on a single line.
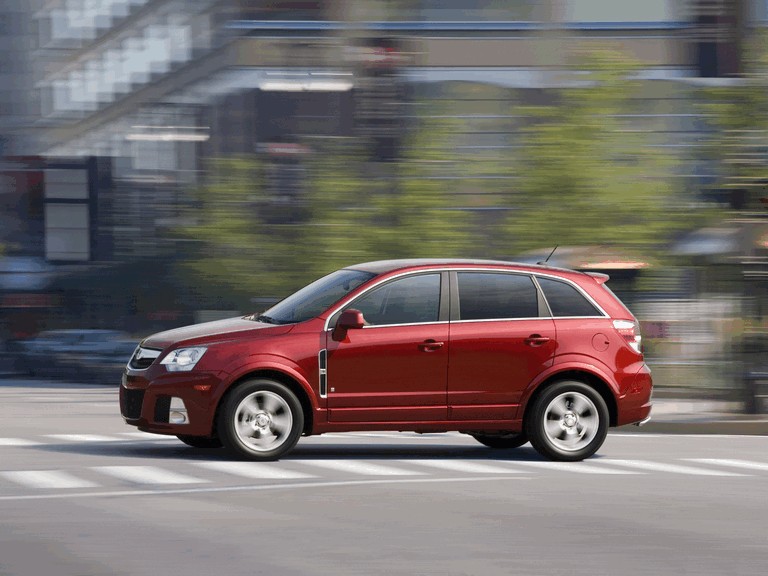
{"points": [[209, 330]]}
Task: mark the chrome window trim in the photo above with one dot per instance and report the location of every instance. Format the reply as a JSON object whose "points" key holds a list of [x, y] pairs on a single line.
{"points": [[373, 326], [532, 274]]}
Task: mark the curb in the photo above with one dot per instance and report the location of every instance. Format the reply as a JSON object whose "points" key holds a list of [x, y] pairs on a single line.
{"points": [[755, 427]]}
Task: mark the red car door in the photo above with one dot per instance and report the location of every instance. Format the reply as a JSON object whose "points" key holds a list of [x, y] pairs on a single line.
{"points": [[498, 344], [395, 368]]}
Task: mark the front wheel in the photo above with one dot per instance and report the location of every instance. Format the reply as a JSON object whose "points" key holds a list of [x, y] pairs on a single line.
{"points": [[260, 420], [568, 421], [502, 441]]}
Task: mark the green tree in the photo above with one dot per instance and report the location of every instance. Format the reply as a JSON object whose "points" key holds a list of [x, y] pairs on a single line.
{"points": [[588, 176]]}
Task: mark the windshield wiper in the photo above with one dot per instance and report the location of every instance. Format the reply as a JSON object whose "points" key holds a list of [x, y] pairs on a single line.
{"points": [[266, 319]]}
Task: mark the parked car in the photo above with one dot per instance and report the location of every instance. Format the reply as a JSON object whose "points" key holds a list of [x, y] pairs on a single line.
{"points": [[507, 353]]}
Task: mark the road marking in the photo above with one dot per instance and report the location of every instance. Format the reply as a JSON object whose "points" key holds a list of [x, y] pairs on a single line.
{"points": [[17, 442], [147, 436], [674, 468], [577, 467], [256, 470], [251, 488], [746, 464], [468, 466], [83, 437], [56, 479], [354, 467], [147, 475]]}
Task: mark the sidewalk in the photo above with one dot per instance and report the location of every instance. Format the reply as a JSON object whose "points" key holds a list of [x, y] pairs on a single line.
{"points": [[681, 416]]}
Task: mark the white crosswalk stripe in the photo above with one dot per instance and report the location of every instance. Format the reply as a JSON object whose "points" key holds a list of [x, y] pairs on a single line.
{"points": [[729, 462], [254, 470], [146, 436], [357, 467], [55, 479], [147, 475], [575, 467], [83, 437], [466, 466], [17, 442], [673, 468]]}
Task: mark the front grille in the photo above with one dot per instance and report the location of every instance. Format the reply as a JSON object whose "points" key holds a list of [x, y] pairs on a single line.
{"points": [[143, 358], [131, 401]]}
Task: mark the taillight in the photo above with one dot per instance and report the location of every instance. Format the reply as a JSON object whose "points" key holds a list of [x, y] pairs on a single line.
{"points": [[630, 331]]}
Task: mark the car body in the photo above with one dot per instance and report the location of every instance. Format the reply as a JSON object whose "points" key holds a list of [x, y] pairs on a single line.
{"points": [[505, 352]]}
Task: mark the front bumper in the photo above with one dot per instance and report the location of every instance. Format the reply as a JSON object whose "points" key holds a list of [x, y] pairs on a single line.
{"points": [[145, 400]]}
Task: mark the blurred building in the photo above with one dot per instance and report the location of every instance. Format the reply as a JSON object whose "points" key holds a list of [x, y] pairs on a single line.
{"points": [[163, 84]]}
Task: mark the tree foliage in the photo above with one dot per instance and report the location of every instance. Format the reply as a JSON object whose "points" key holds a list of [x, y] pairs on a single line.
{"points": [[587, 174]]}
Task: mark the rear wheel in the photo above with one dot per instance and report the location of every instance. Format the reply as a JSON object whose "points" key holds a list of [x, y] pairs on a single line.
{"points": [[200, 441], [568, 421], [260, 420], [502, 441]]}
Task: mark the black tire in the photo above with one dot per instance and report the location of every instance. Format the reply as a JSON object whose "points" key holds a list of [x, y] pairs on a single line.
{"points": [[568, 421], [502, 441], [260, 419], [200, 441]]}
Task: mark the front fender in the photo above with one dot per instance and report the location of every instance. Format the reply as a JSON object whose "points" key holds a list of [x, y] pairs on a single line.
{"points": [[264, 362]]}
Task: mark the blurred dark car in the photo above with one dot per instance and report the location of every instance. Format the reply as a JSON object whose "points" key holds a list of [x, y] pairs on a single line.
{"points": [[85, 354]]}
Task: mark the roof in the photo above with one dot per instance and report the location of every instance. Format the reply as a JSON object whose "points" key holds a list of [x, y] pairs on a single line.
{"points": [[384, 266]]}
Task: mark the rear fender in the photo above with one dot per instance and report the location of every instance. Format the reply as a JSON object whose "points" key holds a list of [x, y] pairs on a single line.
{"points": [[568, 364]]}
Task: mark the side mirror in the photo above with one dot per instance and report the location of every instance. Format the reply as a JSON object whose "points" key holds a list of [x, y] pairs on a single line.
{"points": [[350, 319]]}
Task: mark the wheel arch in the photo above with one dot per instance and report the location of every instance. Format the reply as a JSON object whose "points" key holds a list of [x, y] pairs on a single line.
{"points": [[592, 380], [287, 380]]}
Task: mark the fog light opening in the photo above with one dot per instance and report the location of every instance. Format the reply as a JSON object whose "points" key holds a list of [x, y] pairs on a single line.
{"points": [[178, 412]]}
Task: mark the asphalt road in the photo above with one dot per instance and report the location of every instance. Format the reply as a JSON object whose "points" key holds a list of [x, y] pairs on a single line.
{"points": [[83, 494]]}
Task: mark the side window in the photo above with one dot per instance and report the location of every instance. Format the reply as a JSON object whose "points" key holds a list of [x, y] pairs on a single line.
{"points": [[565, 300], [484, 296], [406, 301]]}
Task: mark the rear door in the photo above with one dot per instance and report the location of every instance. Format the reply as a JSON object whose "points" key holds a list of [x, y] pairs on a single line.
{"points": [[501, 338]]}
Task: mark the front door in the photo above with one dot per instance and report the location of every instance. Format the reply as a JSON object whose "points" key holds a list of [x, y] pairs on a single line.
{"points": [[395, 368]]}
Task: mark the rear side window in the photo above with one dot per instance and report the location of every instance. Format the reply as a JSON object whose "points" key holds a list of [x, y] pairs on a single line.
{"points": [[486, 296], [565, 300]]}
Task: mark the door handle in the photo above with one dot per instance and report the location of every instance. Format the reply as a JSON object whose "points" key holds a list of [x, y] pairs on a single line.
{"points": [[536, 340], [431, 345]]}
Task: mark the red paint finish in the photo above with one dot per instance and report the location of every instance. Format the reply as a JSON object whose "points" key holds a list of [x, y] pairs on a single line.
{"points": [[429, 376], [377, 370], [493, 362]]}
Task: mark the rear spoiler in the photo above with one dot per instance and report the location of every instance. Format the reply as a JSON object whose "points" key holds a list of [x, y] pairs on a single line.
{"points": [[598, 277]]}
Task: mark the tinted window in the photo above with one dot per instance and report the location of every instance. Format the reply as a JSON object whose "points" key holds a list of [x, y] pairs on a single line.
{"points": [[405, 301], [486, 296], [565, 300]]}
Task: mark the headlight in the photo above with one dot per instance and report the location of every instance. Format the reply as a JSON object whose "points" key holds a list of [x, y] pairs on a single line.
{"points": [[183, 359]]}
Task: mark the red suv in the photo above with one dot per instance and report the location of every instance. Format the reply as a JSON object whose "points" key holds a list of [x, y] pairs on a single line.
{"points": [[507, 353]]}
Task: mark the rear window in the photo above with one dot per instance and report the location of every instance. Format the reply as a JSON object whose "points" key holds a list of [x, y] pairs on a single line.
{"points": [[566, 301]]}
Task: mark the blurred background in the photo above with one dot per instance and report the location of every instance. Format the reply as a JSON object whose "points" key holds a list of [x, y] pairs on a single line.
{"points": [[164, 162]]}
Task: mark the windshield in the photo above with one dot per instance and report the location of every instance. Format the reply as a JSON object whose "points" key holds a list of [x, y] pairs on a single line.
{"points": [[314, 299]]}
